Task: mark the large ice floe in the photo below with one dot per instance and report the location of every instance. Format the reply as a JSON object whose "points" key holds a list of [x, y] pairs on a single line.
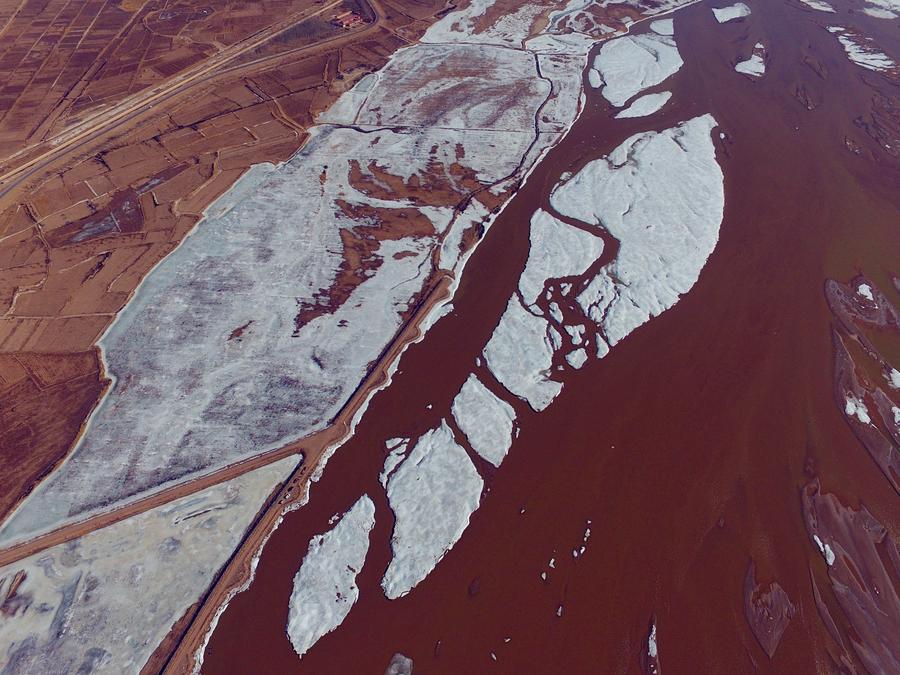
{"points": [[661, 195], [645, 105], [819, 5], [325, 586], [736, 11], [432, 493], [260, 326], [862, 50], [486, 420], [104, 602], [628, 65]]}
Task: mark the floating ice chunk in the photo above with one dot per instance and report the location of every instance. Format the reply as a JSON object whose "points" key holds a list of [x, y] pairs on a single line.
{"points": [[663, 27], [883, 9], [325, 586], [576, 333], [825, 550], [520, 355], [594, 79], [736, 11], [432, 494], [577, 358], [400, 665], [557, 250], [819, 5], [862, 51], [645, 105], [865, 291], [602, 347], [661, 195], [855, 407], [893, 378], [755, 66], [651, 642], [632, 63], [896, 411], [486, 420], [555, 312], [564, 289]]}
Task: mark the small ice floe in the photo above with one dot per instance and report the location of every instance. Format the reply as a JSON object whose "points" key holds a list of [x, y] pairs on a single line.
{"points": [[543, 576], [493, 656], [663, 27], [651, 642], [883, 9], [564, 289], [433, 493], [602, 347], [506, 640], [896, 412], [486, 420], [645, 105], [825, 550], [736, 11], [755, 66], [325, 586], [594, 79], [630, 64], [862, 50], [576, 333], [865, 291], [399, 665], [559, 610], [819, 5], [893, 378], [577, 358], [855, 407], [552, 563]]}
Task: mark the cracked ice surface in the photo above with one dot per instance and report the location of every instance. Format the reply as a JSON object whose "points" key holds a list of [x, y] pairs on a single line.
{"points": [[432, 494], [104, 601], [557, 250], [486, 420], [325, 586], [630, 64], [661, 195], [645, 105], [732, 12]]}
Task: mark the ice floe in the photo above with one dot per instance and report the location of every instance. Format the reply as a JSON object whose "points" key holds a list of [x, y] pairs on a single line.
{"points": [[577, 358], [661, 195], [520, 355], [862, 50], [486, 420], [736, 11], [325, 585], [432, 494], [630, 64], [819, 5], [645, 105], [755, 66], [893, 378], [865, 291]]}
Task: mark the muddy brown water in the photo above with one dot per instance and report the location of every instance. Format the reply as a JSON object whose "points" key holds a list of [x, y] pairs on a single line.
{"points": [[686, 447]]}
